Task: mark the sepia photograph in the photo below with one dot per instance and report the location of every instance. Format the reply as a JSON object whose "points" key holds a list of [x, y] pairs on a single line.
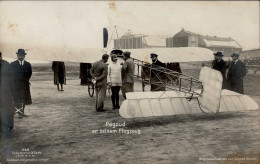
{"points": [[145, 82]]}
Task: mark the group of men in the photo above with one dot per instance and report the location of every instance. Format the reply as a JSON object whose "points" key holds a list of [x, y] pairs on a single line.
{"points": [[15, 89], [233, 78], [99, 72]]}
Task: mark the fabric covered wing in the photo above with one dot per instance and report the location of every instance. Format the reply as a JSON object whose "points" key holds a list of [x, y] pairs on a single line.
{"points": [[232, 101], [148, 104], [52, 53], [172, 55]]}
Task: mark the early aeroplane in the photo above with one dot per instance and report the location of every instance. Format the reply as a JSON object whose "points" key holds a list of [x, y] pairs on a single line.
{"points": [[207, 90]]}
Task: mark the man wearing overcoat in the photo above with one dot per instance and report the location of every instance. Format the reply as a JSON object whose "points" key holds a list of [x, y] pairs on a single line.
{"points": [[99, 72], [157, 77], [22, 72], [7, 109], [220, 65], [127, 74], [235, 75]]}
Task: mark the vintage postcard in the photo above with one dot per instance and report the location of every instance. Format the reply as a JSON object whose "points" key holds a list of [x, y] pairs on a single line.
{"points": [[130, 82]]}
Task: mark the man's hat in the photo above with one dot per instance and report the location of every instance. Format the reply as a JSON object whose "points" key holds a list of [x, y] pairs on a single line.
{"points": [[235, 55], [21, 52], [218, 54], [153, 55]]}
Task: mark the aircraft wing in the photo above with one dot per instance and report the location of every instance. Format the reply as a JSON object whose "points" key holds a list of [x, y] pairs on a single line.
{"points": [[52, 53], [171, 55]]}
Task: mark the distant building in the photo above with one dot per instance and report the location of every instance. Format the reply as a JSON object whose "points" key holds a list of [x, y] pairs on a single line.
{"points": [[253, 54], [189, 39], [250, 57], [139, 42]]}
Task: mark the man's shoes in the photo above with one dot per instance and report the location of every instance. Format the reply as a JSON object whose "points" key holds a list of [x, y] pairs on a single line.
{"points": [[101, 110], [118, 107], [114, 108]]}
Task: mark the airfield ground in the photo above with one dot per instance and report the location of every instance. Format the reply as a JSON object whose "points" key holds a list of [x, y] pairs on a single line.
{"points": [[60, 128]]}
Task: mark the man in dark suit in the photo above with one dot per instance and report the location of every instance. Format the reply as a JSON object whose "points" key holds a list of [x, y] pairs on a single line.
{"points": [[235, 75], [220, 65], [22, 72], [7, 109], [127, 74], [99, 72], [157, 77]]}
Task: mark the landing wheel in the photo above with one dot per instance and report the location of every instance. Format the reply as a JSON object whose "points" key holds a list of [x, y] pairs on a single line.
{"points": [[91, 89]]}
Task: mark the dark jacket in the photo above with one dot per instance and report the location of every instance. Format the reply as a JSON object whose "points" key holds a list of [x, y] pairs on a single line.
{"points": [[221, 67], [59, 72], [22, 75], [100, 71], [6, 90], [157, 75], [235, 76], [128, 69]]}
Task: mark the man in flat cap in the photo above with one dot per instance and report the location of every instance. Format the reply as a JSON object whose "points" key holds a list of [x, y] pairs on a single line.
{"points": [[22, 72], [157, 77], [99, 73], [7, 109], [127, 74], [220, 65], [235, 75]]}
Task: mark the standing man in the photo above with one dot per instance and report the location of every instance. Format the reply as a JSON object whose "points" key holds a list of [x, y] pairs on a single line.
{"points": [[157, 77], [22, 72], [7, 109], [220, 65], [114, 80], [99, 72], [59, 74], [235, 75], [128, 69]]}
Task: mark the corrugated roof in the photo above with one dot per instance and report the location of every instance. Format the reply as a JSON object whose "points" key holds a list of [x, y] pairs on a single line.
{"points": [[171, 55], [215, 38], [215, 43], [155, 41]]}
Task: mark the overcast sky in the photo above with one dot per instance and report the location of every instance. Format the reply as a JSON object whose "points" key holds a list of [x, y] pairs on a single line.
{"points": [[80, 23]]}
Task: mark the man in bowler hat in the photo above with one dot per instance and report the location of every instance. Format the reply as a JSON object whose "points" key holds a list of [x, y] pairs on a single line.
{"points": [[22, 72], [235, 75], [220, 65], [157, 77]]}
